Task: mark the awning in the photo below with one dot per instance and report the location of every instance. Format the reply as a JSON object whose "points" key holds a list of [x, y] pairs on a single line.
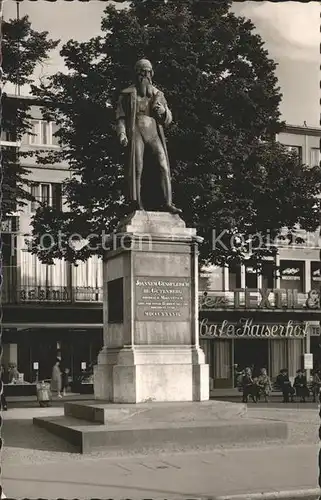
{"points": [[68, 326]]}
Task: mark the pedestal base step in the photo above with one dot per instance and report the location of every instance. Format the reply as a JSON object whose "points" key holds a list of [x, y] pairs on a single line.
{"points": [[110, 413], [138, 428]]}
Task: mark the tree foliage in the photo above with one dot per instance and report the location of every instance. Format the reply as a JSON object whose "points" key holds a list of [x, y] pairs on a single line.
{"points": [[23, 49], [229, 175]]}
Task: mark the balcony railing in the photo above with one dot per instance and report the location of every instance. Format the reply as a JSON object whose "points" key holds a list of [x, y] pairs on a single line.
{"points": [[263, 300], [45, 294], [209, 300]]}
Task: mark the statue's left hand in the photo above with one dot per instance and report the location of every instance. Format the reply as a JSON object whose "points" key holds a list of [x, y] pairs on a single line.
{"points": [[160, 109]]}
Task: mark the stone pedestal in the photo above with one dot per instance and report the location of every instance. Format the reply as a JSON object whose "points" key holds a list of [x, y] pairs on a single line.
{"points": [[151, 344]]}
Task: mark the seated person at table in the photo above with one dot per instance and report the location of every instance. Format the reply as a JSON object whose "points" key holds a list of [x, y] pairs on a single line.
{"points": [[301, 386], [249, 387], [285, 385]]}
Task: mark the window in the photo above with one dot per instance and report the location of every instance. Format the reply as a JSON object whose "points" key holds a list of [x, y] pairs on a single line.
{"points": [[234, 276], [33, 139], [54, 138], [268, 274], [9, 140], [315, 157], [56, 196], [42, 133], [250, 276], [292, 275], [8, 136], [295, 149], [45, 193], [50, 194], [34, 194]]}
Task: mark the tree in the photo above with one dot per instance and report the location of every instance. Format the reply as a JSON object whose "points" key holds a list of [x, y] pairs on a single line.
{"points": [[230, 176], [22, 49]]}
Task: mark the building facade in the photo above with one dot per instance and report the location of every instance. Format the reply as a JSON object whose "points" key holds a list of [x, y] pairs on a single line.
{"points": [[51, 308], [46, 308], [266, 319]]}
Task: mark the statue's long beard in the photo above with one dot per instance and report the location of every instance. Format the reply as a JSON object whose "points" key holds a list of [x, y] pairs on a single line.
{"points": [[145, 87]]}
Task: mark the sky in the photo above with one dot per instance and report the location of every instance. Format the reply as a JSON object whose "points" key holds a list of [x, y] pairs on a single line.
{"points": [[291, 31]]}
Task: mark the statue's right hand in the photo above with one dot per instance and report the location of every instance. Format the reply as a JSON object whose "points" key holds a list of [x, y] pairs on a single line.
{"points": [[123, 140]]}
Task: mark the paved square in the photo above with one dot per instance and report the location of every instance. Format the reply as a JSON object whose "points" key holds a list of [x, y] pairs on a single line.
{"points": [[35, 462]]}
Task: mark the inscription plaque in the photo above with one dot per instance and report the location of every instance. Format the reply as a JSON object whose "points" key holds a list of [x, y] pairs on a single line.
{"points": [[162, 299]]}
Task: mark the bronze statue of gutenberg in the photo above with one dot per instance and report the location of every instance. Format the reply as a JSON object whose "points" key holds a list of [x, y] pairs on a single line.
{"points": [[141, 115]]}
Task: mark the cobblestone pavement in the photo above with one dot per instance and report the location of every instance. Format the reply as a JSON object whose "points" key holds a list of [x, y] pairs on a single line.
{"points": [[33, 459], [24, 441]]}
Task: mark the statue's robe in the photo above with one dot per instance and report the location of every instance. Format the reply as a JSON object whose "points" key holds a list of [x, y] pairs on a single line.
{"points": [[126, 123]]}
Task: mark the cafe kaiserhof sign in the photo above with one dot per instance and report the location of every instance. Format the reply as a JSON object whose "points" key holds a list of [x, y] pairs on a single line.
{"points": [[246, 328]]}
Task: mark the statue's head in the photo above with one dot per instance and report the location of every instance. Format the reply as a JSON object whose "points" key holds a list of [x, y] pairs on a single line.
{"points": [[144, 74], [144, 68]]}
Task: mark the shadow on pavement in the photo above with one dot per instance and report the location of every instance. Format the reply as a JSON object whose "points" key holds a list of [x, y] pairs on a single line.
{"points": [[23, 434], [178, 494], [55, 402]]}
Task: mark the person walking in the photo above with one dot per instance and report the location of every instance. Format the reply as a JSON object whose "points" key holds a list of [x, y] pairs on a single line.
{"points": [[56, 379], [265, 385], [65, 381]]}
